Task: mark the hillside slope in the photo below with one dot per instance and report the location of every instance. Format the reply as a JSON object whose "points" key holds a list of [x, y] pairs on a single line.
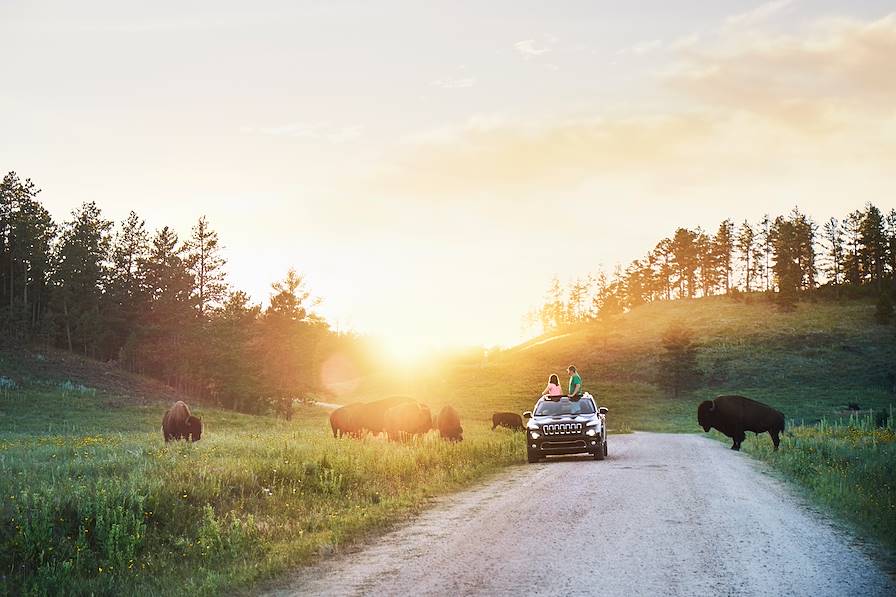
{"points": [[810, 362]]}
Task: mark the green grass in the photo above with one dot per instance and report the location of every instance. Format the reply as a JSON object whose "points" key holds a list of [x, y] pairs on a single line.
{"points": [[848, 466], [94, 502]]}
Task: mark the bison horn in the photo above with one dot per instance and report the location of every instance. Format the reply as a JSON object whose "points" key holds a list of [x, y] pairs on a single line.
{"points": [[712, 405]]}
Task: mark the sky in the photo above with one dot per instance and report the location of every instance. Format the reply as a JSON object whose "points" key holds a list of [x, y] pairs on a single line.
{"points": [[430, 166]]}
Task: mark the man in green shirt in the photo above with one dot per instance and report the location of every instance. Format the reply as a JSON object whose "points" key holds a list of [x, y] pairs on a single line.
{"points": [[575, 382]]}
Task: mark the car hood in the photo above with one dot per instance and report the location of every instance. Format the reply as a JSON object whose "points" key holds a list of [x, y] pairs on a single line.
{"points": [[536, 422]]}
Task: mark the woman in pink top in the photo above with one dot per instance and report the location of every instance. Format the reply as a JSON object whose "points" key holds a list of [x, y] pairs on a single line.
{"points": [[553, 387]]}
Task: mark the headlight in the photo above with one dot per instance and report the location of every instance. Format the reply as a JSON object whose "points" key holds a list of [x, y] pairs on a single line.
{"points": [[591, 432], [534, 434]]}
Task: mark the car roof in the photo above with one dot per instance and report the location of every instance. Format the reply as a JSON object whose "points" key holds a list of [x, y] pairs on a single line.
{"points": [[585, 396]]}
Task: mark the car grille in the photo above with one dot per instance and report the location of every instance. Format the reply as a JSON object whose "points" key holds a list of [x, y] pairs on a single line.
{"points": [[562, 429], [567, 445]]}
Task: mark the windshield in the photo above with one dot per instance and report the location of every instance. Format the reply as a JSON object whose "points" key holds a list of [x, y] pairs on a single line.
{"points": [[564, 406]]}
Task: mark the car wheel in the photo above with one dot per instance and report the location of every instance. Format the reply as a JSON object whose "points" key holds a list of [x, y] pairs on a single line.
{"points": [[601, 452], [606, 453]]}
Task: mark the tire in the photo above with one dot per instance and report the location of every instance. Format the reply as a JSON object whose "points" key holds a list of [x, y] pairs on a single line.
{"points": [[601, 451], [606, 452]]}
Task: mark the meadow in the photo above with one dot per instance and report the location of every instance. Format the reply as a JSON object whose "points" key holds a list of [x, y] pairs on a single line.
{"points": [[93, 502]]}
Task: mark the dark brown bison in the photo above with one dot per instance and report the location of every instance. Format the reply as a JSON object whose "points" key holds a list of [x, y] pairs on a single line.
{"points": [[509, 420], [371, 414], [407, 419], [735, 415], [346, 420], [448, 424], [178, 423]]}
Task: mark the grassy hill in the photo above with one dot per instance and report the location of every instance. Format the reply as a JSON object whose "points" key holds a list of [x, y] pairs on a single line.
{"points": [[92, 500], [810, 363]]}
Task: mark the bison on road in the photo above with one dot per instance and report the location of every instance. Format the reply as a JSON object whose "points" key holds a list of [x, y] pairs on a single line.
{"points": [[509, 420], [735, 415], [407, 419], [178, 423], [448, 424]]}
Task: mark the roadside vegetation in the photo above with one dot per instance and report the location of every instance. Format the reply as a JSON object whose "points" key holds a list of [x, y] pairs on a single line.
{"points": [[93, 502], [848, 466]]}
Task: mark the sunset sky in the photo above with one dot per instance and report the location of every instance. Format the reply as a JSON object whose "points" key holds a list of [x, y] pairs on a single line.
{"points": [[429, 166]]}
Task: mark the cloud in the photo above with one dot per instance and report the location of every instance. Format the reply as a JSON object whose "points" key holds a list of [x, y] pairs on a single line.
{"points": [[758, 15], [746, 109], [529, 48], [308, 130], [454, 83], [836, 68], [644, 47]]}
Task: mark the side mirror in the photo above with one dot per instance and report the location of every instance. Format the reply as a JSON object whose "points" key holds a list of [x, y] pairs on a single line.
{"points": [[603, 410], [527, 414]]}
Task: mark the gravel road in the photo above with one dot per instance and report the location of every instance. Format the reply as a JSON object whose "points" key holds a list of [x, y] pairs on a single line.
{"points": [[663, 515]]}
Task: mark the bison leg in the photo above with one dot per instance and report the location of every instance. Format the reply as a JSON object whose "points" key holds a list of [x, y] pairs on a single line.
{"points": [[738, 440], [776, 439]]}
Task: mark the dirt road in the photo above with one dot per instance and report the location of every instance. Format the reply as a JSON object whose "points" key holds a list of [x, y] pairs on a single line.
{"points": [[663, 515]]}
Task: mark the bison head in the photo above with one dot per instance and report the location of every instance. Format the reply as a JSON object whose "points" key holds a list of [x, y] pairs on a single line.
{"points": [[193, 428], [705, 414]]}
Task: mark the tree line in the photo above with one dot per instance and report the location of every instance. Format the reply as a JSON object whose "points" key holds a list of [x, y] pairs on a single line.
{"points": [[154, 303], [785, 257]]}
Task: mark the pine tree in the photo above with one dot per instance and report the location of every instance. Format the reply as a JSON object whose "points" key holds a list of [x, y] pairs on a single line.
{"points": [[168, 324], [764, 237], [678, 370], [26, 234], [706, 262], [873, 244], [81, 276], [746, 246], [684, 252], [125, 297], [723, 250], [852, 234], [833, 245], [202, 256]]}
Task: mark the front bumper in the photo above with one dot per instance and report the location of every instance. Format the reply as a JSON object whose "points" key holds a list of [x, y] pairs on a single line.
{"points": [[545, 446]]}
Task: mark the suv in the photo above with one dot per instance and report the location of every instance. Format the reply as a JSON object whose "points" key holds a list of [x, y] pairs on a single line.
{"points": [[566, 425]]}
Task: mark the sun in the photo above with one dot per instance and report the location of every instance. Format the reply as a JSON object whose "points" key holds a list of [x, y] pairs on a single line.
{"points": [[406, 351]]}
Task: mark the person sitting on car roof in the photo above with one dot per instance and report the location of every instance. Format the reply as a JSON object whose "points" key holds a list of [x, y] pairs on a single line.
{"points": [[553, 387], [575, 381]]}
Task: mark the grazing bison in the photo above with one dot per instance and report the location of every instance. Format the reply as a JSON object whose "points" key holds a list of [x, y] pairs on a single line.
{"points": [[448, 424], [346, 420], [509, 420], [735, 415], [178, 423], [407, 419], [371, 415]]}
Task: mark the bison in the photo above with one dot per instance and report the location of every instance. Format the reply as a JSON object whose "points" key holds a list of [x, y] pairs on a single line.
{"points": [[346, 420], [178, 423], [371, 414], [509, 420], [448, 424], [407, 419], [735, 415]]}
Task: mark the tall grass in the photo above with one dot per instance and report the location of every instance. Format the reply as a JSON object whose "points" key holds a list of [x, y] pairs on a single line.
{"points": [[849, 466], [121, 512]]}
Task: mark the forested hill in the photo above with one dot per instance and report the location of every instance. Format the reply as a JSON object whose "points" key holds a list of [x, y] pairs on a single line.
{"points": [[155, 303]]}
